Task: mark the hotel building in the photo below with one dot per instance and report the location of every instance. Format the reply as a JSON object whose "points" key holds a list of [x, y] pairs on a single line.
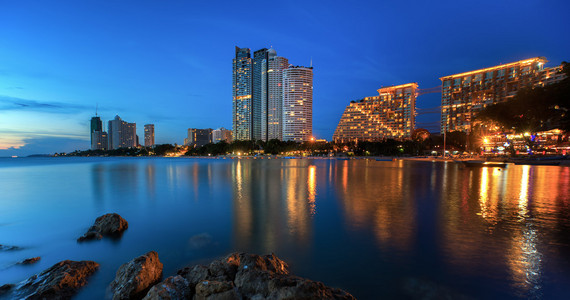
{"points": [[463, 95], [122, 134], [272, 111], [149, 135], [198, 137], [242, 94], [390, 115], [221, 134], [297, 104]]}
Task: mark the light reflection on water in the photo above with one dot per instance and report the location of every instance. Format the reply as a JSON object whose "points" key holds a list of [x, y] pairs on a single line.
{"points": [[362, 225]]}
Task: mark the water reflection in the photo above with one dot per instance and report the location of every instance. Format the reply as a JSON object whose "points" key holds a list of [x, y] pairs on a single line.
{"points": [[274, 201]]}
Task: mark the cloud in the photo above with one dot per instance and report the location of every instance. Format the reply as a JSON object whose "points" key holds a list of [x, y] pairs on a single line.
{"points": [[13, 103], [43, 145]]}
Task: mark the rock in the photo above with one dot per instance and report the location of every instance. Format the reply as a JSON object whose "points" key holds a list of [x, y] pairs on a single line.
{"points": [[29, 261], [250, 276], [105, 225], [173, 287], [5, 289], [136, 277], [9, 248], [61, 281], [216, 290]]}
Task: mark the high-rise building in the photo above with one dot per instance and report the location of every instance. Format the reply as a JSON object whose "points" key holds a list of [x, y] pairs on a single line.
{"points": [[99, 140], [96, 125], [259, 101], [242, 95], [464, 95], [198, 137], [390, 115], [272, 110], [221, 134], [122, 134], [297, 104], [149, 135]]}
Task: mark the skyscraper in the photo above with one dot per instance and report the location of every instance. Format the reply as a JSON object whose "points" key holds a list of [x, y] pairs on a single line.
{"points": [[259, 91], [198, 137], [99, 140], [297, 104], [242, 94], [122, 134], [272, 109], [96, 125], [221, 134], [149, 135]]}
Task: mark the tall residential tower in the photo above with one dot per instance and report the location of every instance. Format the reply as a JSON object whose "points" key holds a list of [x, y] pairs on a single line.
{"points": [[242, 95], [297, 104], [149, 135]]}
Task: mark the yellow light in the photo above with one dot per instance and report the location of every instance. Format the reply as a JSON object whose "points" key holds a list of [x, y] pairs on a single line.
{"points": [[486, 140], [526, 134]]}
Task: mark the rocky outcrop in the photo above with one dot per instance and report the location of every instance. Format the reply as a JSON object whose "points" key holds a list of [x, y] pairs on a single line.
{"points": [[61, 281], [135, 278], [250, 276], [4, 289], [8, 248], [29, 261], [111, 225], [173, 287]]}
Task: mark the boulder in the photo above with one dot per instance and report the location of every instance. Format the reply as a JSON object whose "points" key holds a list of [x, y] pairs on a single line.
{"points": [[5, 289], [135, 278], [250, 276], [61, 281], [106, 225], [29, 261], [8, 248], [173, 287]]}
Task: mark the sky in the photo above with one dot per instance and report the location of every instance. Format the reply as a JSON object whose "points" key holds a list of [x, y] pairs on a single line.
{"points": [[169, 63]]}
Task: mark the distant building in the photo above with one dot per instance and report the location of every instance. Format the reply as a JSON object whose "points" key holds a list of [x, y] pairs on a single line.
{"points": [[149, 135], [272, 111], [390, 115], [122, 134], [259, 90], [99, 140], [242, 95], [221, 134], [198, 137], [96, 125], [297, 104], [465, 94]]}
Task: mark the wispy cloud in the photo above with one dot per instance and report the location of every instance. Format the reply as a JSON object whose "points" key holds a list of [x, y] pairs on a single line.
{"points": [[13, 103]]}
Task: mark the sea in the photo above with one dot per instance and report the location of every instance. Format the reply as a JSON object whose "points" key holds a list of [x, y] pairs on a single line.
{"points": [[378, 229]]}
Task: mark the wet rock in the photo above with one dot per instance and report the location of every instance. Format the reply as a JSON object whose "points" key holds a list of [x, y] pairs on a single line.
{"points": [[8, 248], [29, 261], [5, 289], [250, 276], [106, 225], [173, 287], [61, 281], [216, 290], [136, 277]]}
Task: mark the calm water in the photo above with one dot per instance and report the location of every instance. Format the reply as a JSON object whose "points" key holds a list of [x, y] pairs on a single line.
{"points": [[377, 229]]}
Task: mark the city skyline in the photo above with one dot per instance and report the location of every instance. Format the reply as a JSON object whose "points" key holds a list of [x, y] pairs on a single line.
{"points": [[130, 59]]}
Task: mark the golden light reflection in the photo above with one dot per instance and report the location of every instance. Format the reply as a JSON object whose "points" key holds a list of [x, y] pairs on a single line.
{"points": [[312, 183], [523, 195]]}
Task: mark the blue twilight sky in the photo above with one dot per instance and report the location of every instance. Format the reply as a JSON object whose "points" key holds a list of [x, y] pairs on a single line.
{"points": [[169, 62]]}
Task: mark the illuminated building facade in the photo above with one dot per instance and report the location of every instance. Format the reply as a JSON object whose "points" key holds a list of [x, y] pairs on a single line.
{"points": [[390, 115], [464, 95], [259, 101], [297, 104], [122, 134], [242, 94], [221, 134], [272, 118], [198, 137], [96, 125], [149, 135], [99, 140]]}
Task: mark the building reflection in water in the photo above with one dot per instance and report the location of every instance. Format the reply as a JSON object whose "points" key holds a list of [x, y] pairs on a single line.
{"points": [[380, 195], [274, 201]]}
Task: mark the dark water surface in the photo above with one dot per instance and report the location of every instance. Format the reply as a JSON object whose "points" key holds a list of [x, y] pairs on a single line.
{"points": [[377, 229]]}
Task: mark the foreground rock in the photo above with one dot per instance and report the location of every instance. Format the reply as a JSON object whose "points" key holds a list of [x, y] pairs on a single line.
{"points": [[29, 261], [136, 277], [4, 289], [61, 281], [8, 248], [243, 276], [105, 225]]}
